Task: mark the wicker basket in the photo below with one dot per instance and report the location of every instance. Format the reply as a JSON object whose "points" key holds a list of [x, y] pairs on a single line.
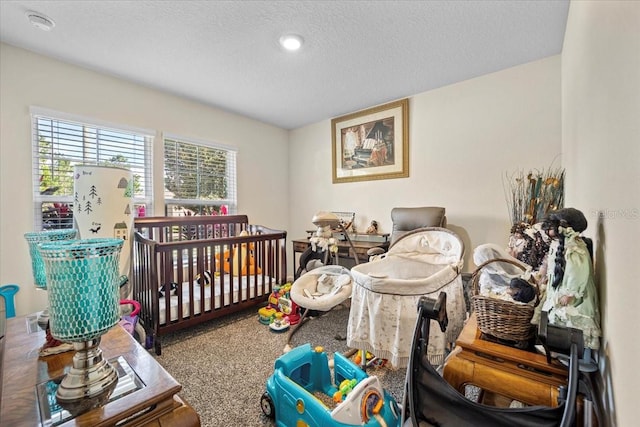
{"points": [[502, 319]]}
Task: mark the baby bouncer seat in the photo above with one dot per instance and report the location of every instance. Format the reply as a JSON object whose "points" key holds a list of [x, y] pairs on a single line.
{"points": [[386, 290]]}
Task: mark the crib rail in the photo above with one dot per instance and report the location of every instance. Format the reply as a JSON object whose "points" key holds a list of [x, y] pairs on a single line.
{"points": [[170, 229]]}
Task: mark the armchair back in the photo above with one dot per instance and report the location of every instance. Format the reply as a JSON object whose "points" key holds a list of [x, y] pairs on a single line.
{"points": [[409, 219]]}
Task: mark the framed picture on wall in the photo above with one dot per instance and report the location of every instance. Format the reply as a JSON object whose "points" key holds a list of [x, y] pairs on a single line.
{"points": [[371, 144]]}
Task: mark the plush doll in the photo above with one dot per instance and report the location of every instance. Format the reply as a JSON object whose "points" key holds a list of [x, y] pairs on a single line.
{"points": [[173, 289], [243, 259], [373, 228], [571, 297], [204, 279], [529, 244]]}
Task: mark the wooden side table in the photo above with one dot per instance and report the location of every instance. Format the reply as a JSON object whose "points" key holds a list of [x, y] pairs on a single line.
{"points": [[345, 253], [155, 403], [502, 370]]}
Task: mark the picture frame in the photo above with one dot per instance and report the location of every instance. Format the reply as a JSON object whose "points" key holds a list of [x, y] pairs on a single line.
{"points": [[371, 144]]}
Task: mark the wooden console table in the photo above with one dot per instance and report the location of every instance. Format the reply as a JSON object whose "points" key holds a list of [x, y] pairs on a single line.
{"points": [[502, 370], [344, 250], [155, 404]]}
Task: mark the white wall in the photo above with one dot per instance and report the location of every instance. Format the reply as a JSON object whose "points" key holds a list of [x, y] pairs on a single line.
{"points": [[601, 144], [28, 79], [463, 138]]}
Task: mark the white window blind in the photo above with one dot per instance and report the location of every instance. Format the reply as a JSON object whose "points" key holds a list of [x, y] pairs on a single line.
{"points": [[60, 142], [199, 178]]}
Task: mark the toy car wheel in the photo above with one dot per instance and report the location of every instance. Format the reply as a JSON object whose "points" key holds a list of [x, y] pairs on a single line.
{"points": [[267, 406]]}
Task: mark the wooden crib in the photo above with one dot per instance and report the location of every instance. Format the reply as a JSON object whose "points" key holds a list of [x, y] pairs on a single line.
{"points": [[187, 270]]}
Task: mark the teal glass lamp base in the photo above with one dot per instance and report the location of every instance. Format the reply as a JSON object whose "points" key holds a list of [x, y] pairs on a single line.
{"points": [[89, 382]]}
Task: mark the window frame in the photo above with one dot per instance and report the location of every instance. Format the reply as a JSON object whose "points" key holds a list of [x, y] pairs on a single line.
{"points": [[39, 200], [231, 202]]}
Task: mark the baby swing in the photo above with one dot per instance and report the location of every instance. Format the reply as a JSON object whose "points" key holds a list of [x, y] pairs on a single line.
{"points": [[429, 400], [425, 261], [319, 285], [323, 247]]}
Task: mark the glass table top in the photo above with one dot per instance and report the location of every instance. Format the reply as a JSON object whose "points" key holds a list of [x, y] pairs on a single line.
{"points": [[52, 414]]}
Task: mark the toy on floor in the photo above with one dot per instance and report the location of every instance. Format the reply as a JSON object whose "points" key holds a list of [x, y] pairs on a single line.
{"points": [[371, 360], [345, 387], [302, 378], [280, 322], [266, 315], [280, 302], [129, 319], [358, 357]]}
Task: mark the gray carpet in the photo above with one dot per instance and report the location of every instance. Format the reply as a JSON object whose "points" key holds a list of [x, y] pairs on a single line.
{"points": [[223, 364]]}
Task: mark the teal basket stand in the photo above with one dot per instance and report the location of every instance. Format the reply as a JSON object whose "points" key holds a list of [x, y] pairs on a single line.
{"points": [[83, 287], [35, 239]]}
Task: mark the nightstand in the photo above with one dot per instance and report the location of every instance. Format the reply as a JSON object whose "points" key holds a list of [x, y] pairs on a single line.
{"points": [[148, 397]]}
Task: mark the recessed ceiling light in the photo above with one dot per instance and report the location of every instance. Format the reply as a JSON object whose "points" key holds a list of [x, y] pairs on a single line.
{"points": [[291, 41], [40, 21]]}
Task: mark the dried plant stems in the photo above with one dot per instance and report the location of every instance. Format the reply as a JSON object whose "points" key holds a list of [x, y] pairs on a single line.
{"points": [[531, 195]]}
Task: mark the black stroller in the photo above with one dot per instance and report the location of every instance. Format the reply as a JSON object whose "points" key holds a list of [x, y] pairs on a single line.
{"points": [[430, 401]]}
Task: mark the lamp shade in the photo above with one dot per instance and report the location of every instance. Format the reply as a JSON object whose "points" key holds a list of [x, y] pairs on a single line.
{"points": [[103, 206], [83, 287], [34, 239]]}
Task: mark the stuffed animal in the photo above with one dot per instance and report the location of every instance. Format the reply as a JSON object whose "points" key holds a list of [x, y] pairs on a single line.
{"points": [[173, 289], [243, 259], [204, 279]]}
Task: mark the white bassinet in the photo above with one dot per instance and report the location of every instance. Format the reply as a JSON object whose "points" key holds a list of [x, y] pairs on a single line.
{"points": [[386, 291]]}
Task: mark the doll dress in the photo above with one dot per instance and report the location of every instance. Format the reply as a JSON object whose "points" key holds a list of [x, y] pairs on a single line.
{"points": [[578, 281]]}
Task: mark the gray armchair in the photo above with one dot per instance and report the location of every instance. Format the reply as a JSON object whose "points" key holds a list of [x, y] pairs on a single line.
{"points": [[409, 219]]}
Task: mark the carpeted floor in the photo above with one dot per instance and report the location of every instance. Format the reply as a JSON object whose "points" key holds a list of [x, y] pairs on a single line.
{"points": [[223, 365]]}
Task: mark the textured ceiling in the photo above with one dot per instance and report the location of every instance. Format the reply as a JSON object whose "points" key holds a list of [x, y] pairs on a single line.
{"points": [[357, 54]]}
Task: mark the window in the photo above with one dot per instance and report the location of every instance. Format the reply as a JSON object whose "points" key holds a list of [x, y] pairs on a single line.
{"points": [[61, 141], [199, 178]]}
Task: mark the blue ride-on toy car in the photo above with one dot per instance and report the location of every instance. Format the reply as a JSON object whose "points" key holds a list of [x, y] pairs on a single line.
{"points": [[301, 393]]}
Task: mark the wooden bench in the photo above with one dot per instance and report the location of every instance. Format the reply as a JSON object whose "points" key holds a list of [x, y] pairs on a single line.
{"points": [[503, 373]]}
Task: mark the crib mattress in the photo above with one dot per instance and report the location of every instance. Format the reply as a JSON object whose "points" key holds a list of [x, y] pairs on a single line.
{"points": [[242, 289]]}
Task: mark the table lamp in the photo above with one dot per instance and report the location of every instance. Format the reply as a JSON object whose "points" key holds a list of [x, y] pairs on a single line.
{"points": [[103, 208], [83, 284], [35, 239]]}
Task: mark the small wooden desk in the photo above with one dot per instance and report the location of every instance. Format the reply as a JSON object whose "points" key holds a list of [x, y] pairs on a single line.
{"points": [[344, 250], [506, 371], [156, 404]]}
